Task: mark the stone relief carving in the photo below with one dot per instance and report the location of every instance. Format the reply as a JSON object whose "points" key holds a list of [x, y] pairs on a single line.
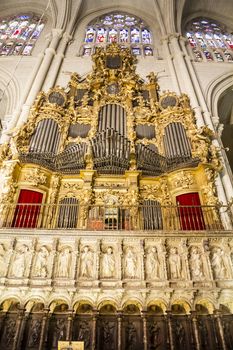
{"points": [[152, 264], [218, 264], [3, 259], [108, 263], [130, 263], [41, 263], [191, 263], [21, 261], [196, 264], [174, 264], [64, 263], [86, 263]]}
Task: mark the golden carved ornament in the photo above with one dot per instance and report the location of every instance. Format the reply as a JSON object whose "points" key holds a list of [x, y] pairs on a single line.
{"points": [[5, 152], [183, 179], [36, 177]]}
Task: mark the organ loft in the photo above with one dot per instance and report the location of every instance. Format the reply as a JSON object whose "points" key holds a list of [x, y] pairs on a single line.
{"points": [[112, 232]]}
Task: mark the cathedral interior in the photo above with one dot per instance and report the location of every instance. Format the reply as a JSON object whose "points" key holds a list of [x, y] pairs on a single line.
{"points": [[116, 186]]}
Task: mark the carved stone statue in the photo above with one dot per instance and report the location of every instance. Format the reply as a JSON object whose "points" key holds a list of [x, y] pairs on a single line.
{"points": [[131, 336], [40, 268], [20, 262], [130, 263], [196, 265], [174, 261], [63, 264], [152, 264], [35, 333], [86, 263], [84, 334], [218, 264], [108, 264], [2, 260]]}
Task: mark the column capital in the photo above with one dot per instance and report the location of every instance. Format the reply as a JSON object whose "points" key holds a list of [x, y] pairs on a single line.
{"points": [[57, 32]]}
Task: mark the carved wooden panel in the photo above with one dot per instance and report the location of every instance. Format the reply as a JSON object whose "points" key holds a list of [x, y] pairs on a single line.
{"points": [[132, 333], [82, 330], [57, 330], [107, 333], [156, 333]]}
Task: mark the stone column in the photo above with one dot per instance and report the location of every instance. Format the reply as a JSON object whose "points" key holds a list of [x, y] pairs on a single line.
{"points": [[69, 325], [195, 330], [144, 321], [119, 330], [66, 38], [171, 65], [225, 181], [16, 113], [170, 331], [19, 324], [43, 329], [220, 332], [41, 75], [196, 85], [94, 321], [182, 71]]}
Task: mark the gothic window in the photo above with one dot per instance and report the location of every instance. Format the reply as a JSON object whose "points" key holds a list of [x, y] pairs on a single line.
{"points": [[18, 34], [209, 41], [127, 30]]}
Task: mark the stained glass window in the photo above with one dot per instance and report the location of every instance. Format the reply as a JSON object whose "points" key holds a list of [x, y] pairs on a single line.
{"points": [[209, 41], [18, 34], [121, 28]]}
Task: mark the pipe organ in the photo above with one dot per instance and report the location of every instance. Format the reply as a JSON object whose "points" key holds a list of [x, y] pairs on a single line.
{"points": [[115, 124], [131, 230]]}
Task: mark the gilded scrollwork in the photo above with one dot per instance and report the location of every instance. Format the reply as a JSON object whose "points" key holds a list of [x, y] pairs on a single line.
{"points": [[183, 179], [36, 177]]}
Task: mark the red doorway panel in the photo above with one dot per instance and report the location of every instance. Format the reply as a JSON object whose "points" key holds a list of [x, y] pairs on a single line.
{"points": [[28, 209], [190, 211]]}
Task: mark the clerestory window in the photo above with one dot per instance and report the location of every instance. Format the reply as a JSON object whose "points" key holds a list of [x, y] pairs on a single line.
{"points": [[209, 40], [122, 28], [18, 34]]}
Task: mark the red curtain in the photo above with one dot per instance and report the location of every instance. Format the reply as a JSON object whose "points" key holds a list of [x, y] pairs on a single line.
{"points": [[28, 209], [190, 211]]}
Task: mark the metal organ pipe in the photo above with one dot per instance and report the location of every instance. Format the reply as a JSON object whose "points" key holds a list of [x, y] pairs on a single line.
{"points": [[46, 137], [112, 116], [176, 142]]}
